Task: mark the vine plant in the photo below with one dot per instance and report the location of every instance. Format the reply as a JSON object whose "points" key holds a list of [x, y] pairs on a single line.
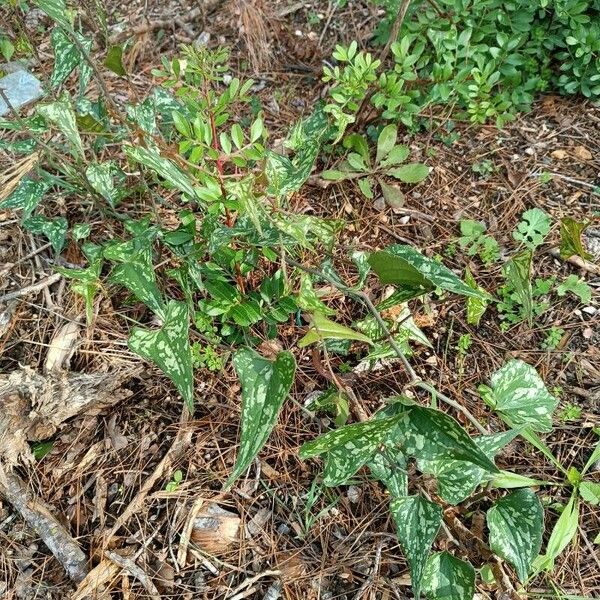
{"points": [[232, 270]]}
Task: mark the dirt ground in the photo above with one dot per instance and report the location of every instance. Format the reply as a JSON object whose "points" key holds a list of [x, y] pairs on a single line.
{"points": [[106, 474]]}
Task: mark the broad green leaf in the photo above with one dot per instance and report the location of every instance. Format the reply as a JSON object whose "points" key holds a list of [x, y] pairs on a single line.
{"points": [[81, 231], [54, 229], [517, 275], [519, 396], [405, 266], [61, 113], [577, 286], [392, 195], [563, 533], [341, 463], [448, 578], [265, 385], [458, 479], [143, 114], [409, 173], [164, 167], [114, 60], [594, 457], [108, 180], [308, 230], [26, 196], [476, 306], [138, 275], [55, 9], [533, 228], [322, 328], [397, 155], [385, 142], [169, 349], [366, 187], [590, 492], [374, 431], [417, 524], [66, 56], [570, 238], [333, 175], [516, 525], [389, 467]]}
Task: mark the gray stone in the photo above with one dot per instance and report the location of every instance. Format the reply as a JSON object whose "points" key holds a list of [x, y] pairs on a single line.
{"points": [[21, 88]]}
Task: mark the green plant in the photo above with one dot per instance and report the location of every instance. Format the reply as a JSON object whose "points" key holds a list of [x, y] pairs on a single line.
{"points": [[571, 412], [175, 482], [476, 242], [553, 337], [484, 167], [462, 349], [370, 174]]}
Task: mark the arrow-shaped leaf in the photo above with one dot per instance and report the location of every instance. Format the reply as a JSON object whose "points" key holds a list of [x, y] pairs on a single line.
{"points": [[448, 578], [265, 385]]}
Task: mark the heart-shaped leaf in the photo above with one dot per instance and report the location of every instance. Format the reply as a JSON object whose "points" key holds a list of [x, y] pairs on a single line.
{"points": [[265, 385], [448, 578], [169, 349], [26, 196], [516, 524]]}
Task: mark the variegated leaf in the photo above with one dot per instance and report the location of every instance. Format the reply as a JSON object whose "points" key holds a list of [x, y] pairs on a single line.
{"points": [[26, 196], [519, 396], [404, 265], [151, 158], [516, 524], [476, 306], [54, 229], [342, 463], [322, 328], [458, 479], [67, 57], [448, 578], [417, 524], [55, 9], [60, 112], [308, 298], [389, 467], [169, 349], [374, 431], [265, 385], [108, 180]]}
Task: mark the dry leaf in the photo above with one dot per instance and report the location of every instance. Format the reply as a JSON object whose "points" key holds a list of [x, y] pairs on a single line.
{"points": [[559, 154], [582, 153], [215, 529], [62, 347]]}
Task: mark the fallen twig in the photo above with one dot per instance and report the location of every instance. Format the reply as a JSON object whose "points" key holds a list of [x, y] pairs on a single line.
{"points": [[579, 262], [137, 572], [30, 289]]}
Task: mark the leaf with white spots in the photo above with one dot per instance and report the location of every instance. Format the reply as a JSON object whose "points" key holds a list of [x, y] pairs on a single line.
{"points": [[26, 196], [54, 229], [67, 58], [61, 113], [405, 266], [107, 179], [516, 524], [448, 578], [389, 467], [265, 385], [458, 479], [518, 394], [169, 349], [55, 9], [417, 524]]}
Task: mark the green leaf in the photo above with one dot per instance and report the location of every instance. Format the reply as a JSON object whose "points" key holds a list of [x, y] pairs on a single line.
{"points": [[108, 180], [519, 396], [55, 9], [265, 385], [66, 56], [114, 60], [54, 229], [533, 228], [366, 187], [405, 266], [562, 534], [385, 142], [333, 175], [81, 231], [417, 524], [169, 349], [389, 467], [61, 113], [26, 196], [397, 155], [448, 578], [516, 525], [595, 456], [476, 306], [341, 463], [508, 480], [410, 173], [517, 275], [392, 195], [590, 492], [164, 167], [322, 328], [577, 286], [570, 238], [309, 300]]}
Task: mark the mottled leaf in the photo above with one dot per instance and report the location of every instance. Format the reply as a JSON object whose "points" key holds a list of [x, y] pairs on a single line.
{"points": [[169, 349], [448, 578], [520, 397], [309, 300], [516, 525], [417, 524], [60, 112], [389, 467], [108, 180], [265, 385], [55, 9], [26, 196], [570, 238], [54, 229]]}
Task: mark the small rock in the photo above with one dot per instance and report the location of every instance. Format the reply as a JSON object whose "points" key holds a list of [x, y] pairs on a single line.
{"points": [[589, 310], [379, 204], [21, 88], [353, 494], [559, 154]]}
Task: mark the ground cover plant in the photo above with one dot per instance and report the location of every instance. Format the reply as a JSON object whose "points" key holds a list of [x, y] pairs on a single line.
{"points": [[186, 221]]}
